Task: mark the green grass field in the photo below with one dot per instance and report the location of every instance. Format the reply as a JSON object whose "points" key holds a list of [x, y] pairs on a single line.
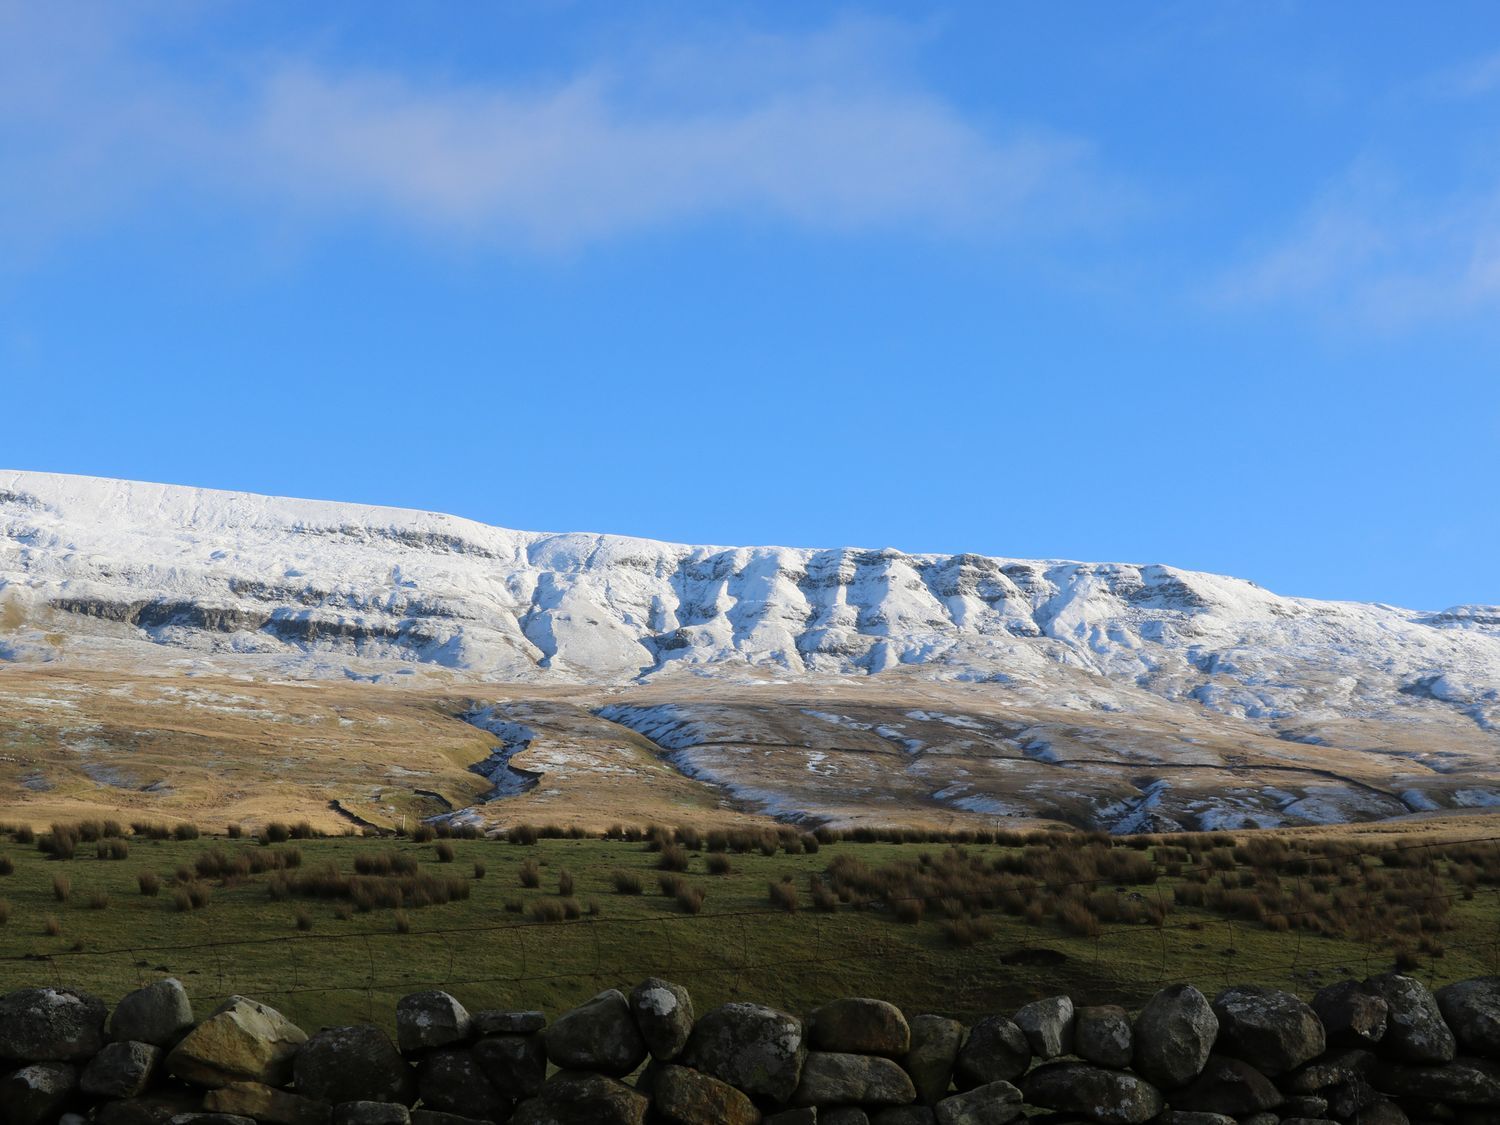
{"points": [[343, 965]]}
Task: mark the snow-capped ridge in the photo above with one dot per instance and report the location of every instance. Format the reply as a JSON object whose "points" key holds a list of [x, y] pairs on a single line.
{"points": [[321, 588]]}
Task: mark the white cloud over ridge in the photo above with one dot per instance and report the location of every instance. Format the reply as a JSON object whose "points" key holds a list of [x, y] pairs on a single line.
{"points": [[824, 131]]}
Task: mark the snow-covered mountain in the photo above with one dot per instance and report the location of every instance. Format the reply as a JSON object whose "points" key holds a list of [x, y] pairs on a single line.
{"points": [[324, 588], [840, 683]]}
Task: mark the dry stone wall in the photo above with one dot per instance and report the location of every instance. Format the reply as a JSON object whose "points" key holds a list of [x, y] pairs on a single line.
{"points": [[1383, 1051]]}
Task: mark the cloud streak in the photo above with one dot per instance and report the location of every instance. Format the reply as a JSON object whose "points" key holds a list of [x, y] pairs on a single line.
{"points": [[825, 131], [1374, 253]]}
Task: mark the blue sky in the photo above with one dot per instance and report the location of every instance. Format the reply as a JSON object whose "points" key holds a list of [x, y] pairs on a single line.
{"points": [[1212, 284]]}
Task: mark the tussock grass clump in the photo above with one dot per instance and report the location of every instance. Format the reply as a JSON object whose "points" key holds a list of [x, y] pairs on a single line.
{"points": [[7, 865], [479, 870], [530, 874], [690, 899], [565, 883], [52, 927], [445, 852], [371, 892], [98, 900], [964, 932], [62, 888], [718, 864], [149, 883], [627, 883], [185, 832], [548, 910], [112, 849], [385, 863], [303, 920], [673, 857], [783, 896], [523, 834], [670, 884], [216, 863], [4, 912], [61, 842], [908, 910]]}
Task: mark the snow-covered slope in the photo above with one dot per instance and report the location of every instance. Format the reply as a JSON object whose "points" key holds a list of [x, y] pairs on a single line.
{"points": [[92, 566]]}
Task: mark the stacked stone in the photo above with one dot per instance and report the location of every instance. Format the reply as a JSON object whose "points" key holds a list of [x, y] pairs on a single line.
{"points": [[1383, 1051]]}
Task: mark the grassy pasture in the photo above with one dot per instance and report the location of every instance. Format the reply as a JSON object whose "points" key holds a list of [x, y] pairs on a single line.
{"points": [[312, 925]]}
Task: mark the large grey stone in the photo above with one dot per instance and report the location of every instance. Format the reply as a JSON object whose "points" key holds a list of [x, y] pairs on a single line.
{"points": [[663, 1012], [1352, 1015], [51, 1025], [37, 1094], [120, 1070], [1334, 1068], [431, 1019], [904, 1115], [935, 1041], [1414, 1027], [1304, 1105], [371, 1113], [843, 1115], [994, 1103], [754, 1048], [1471, 1009], [516, 1065], [242, 1041], [1102, 1035], [155, 1108], [160, 1013], [491, 1021], [861, 1026], [1270, 1029], [1229, 1086], [1389, 1113], [353, 1064], [840, 1078], [1112, 1097], [995, 1051], [599, 1036], [451, 1080], [1192, 1117], [681, 1096], [1048, 1026], [1463, 1081], [266, 1104], [1174, 1034], [572, 1098]]}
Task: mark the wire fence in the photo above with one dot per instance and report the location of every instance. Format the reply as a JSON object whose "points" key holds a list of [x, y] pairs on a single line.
{"points": [[764, 950]]}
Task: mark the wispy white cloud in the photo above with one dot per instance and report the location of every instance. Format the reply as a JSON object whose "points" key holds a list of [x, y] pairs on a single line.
{"points": [[1375, 252], [827, 130], [1472, 79]]}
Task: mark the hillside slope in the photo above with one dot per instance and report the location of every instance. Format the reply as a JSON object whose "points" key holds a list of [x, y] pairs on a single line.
{"points": [[120, 574]]}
